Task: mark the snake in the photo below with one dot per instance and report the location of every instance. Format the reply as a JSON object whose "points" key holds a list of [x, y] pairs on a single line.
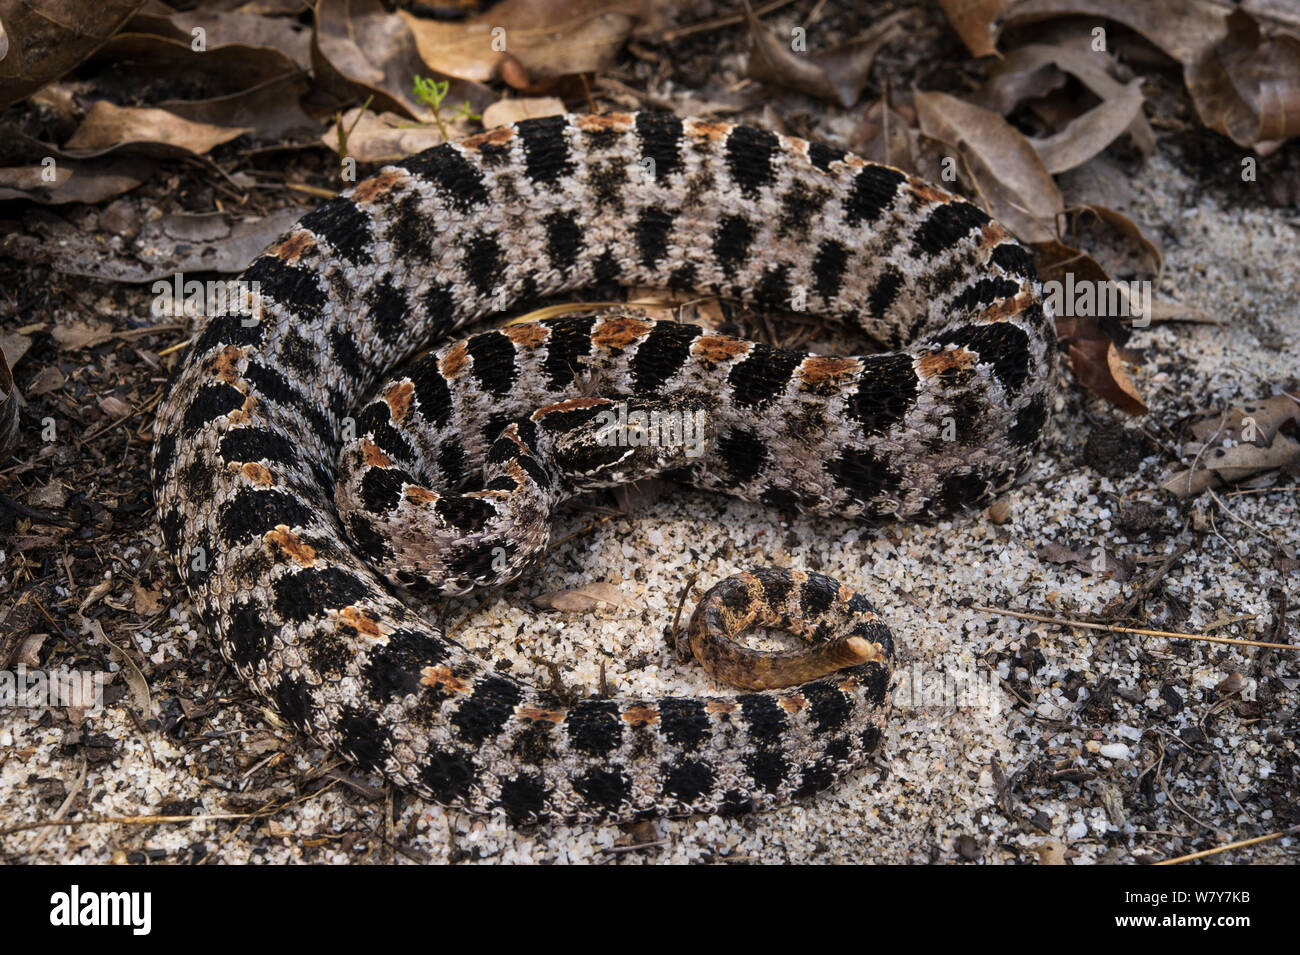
{"points": [[323, 467]]}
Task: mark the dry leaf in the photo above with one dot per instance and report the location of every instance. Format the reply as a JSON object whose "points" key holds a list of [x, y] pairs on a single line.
{"points": [[358, 45], [75, 335], [223, 28], [387, 137], [1009, 175], [107, 126], [508, 111], [1088, 134], [156, 255], [548, 38], [1262, 437], [596, 596], [147, 602], [1247, 86], [140, 58], [272, 111], [114, 406], [972, 19], [1182, 28], [77, 180], [47, 381], [39, 42], [8, 409], [838, 74], [1036, 69]]}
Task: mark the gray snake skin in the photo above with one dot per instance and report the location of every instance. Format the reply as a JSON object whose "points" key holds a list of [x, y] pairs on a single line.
{"points": [[246, 463]]}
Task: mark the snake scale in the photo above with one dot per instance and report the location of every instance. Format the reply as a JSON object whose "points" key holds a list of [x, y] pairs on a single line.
{"points": [[246, 463]]}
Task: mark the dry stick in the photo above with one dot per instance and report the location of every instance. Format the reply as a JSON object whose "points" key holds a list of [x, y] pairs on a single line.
{"points": [[1061, 621], [1150, 583], [1231, 845], [62, 810], [123, 821]]}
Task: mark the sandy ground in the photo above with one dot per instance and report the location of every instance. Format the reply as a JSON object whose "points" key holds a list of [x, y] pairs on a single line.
{"points": [[1133, 781], [1011, 740]]}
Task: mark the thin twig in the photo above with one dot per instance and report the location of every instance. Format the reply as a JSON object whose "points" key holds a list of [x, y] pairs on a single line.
{"points": [[1062, 621], [1231, 845]]}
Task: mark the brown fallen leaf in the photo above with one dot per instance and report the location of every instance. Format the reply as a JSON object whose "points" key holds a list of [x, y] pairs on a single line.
{"points": [[47, 381], [598, 596], [1247, 86], [39, 42], [1229, 447], [360, 47], [140, 58], [107, 126], [507, 111], [1092, 354], [1088, 134], [838, 74], [114, 406], [387, 137], [1182, 28], [547, 38], [973, 21], [1090, 560], [155, 254], [1009, 175], [73, 336], [76, 180], [8, 408], [146, 602], [228, 27], [271, 111], [1144, 253], [884, 134], [1029, 71]]}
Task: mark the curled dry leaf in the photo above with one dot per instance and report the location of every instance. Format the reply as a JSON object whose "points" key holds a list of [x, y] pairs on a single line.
{"points": [[1093, 356], [508, 111], [229, 27], [838, 74], [1247, 86], [1145, 252], [586, 599], [359, 46], [884, 134], [1182, 28], [973, 21], [1087, 135], [1088, 560], [8, 408], [1238, 444], [387, 137], [1241, 66], [1009, 176], [39, 42], [547, 38], [140, 58], [75, 180], [1036, 69], [108, 126]]}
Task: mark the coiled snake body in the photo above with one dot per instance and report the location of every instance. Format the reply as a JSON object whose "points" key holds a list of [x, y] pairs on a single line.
{"points": [[247, 466]]}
